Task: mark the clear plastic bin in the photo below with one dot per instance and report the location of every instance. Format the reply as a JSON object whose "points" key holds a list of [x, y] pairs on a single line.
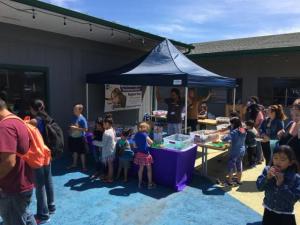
{"points": [[223, 119], [199, 136], [202, 136], [159, 113], [178, 141]]}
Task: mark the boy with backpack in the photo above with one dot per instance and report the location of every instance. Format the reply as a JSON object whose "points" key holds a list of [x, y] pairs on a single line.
{"points": [[43, 175]]}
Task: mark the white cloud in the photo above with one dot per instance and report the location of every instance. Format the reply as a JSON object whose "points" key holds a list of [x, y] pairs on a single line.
{"points": [[168, 28], [194, 21], [198, 12], [263, 7], [62, 3], [176, 31], [286, 30], [279, 7]]}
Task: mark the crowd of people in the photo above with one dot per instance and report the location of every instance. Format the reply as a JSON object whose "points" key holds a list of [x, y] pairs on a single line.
{"points": [[262, 135], [265, 138]]}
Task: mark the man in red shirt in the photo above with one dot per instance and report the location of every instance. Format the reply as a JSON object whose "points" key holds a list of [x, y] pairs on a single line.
{"points": [[16, 184]]}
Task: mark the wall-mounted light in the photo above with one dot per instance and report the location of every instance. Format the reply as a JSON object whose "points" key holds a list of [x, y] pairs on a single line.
{"points": [[33, 13], [66, 20]]}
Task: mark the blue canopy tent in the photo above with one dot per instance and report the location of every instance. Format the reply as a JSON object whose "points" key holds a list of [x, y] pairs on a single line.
{"points": [[163, 66]]}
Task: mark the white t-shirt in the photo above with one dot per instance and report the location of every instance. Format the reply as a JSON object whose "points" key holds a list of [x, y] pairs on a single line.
{"points": [[108, 143]]}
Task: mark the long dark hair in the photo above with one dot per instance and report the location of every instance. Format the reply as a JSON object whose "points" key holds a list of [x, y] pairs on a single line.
{"points": [[39, 107], [279, 113], [290, 154], [108, 119], [252, 111]]}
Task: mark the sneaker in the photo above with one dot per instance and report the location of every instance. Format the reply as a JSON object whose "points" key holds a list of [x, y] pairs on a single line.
{"points": [[218, 181], [252, 166], [39, 221], [94, 176], [51, 209], [229, 183]]}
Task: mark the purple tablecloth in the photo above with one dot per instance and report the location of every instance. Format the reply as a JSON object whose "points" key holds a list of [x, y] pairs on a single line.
{"points": [[173, 168]]}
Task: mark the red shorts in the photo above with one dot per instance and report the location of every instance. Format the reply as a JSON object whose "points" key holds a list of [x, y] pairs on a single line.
{"points": [[143, 159]]}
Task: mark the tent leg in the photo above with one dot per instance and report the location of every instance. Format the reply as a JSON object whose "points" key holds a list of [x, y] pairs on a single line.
{"points": [[155, 98], [185, 117], [87, 100], [234, 96]]}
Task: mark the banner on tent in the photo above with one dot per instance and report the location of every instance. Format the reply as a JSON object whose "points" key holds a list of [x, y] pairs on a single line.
{"points": [[122, 97]]}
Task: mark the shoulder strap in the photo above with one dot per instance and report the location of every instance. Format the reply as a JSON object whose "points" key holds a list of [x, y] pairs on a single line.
{"points": [[12, 116], [287, 127]]}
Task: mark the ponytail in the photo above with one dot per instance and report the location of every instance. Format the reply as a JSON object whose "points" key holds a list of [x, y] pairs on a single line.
{"points": [[280, 113]]}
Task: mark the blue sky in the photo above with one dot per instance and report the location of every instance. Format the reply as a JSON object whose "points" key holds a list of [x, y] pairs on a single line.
{"points": [[192, 21]]}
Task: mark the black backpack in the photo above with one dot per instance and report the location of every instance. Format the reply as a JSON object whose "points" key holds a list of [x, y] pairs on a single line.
{"points": [[53, 137]]}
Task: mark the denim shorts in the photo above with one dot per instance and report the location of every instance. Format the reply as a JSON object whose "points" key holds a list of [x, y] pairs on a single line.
{"points": [[235, 163]]}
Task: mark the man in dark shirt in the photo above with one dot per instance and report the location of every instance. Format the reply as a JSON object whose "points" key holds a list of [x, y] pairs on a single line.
{"points": [[16, 182], [175, 107]]}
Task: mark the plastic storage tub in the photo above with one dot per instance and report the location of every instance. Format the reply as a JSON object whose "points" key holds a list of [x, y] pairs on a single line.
{"points": [[160, 113], [178, 141], [202, 136], [223, 120]]}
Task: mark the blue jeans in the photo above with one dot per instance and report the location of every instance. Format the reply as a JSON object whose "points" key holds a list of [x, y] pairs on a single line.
{"points": [[259, 153], [14, 209], [97, 157], [44, 192], [174, 128]]}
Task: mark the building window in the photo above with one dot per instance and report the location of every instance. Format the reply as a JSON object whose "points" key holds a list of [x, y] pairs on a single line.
{"points": [[21, 86], [278, 90]]}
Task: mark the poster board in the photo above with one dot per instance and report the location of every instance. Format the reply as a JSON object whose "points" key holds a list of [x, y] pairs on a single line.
{"points": [[122, 97]]}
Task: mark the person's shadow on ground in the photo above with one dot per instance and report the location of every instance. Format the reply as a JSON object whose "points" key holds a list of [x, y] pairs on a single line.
{"points": [[118, 188]]}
